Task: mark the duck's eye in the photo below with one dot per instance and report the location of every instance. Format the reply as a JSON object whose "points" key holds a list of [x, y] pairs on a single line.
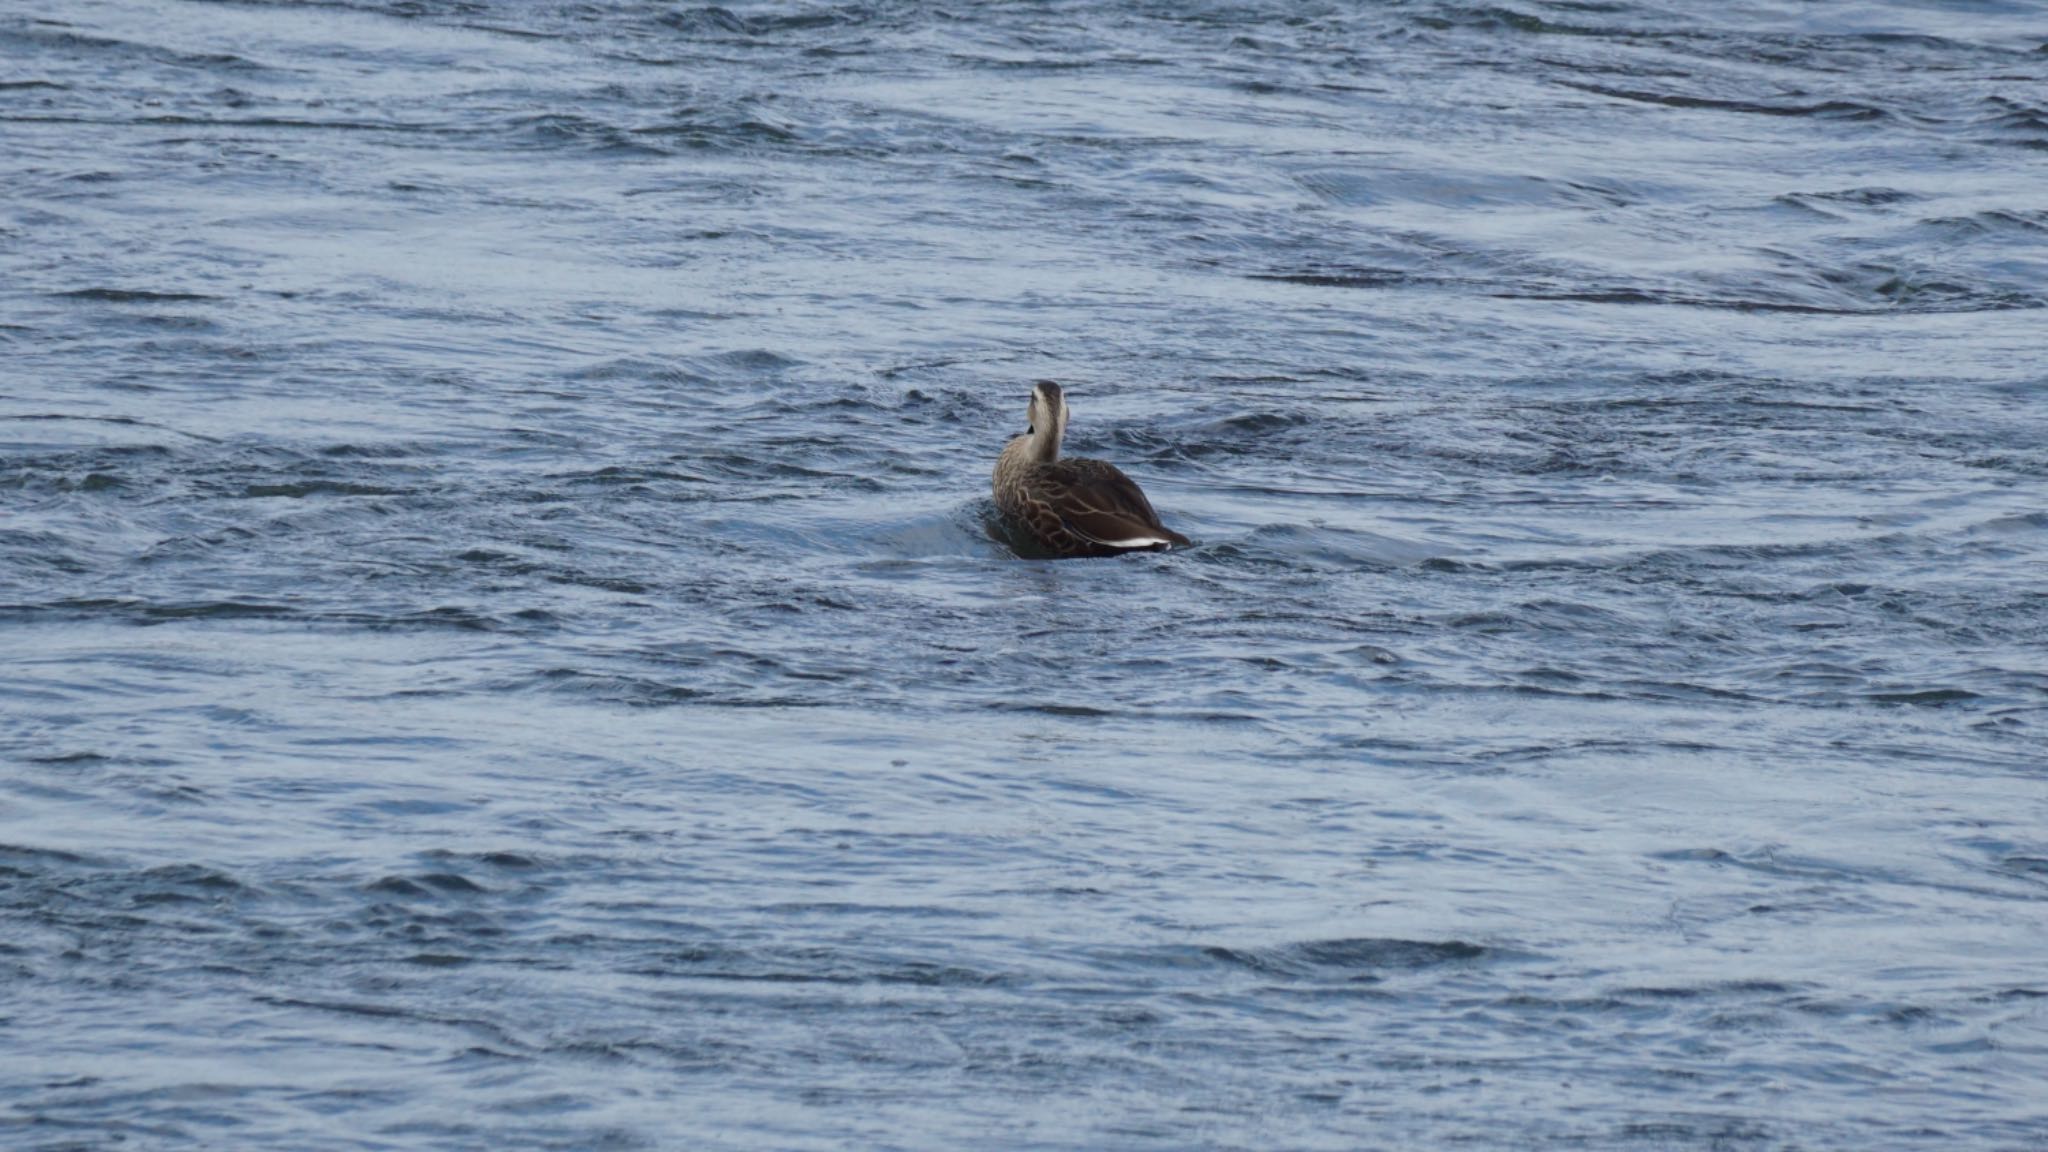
{"points": [[1031, 429]]}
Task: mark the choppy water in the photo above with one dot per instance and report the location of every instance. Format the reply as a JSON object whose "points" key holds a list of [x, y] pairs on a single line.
{"points": [[502, 647]]}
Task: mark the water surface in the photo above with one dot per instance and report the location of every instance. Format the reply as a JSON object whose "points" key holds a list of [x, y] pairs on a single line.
{"points": [[501, 644]]}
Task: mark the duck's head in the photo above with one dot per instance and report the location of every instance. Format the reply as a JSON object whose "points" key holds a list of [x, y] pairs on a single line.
{"points": [[1048, 414]]}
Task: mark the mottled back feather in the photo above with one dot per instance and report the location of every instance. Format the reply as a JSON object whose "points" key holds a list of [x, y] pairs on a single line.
{"points": [[1100, 503]]}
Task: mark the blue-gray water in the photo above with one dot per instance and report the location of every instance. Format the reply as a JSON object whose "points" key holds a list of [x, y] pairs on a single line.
{"points": [[501, 647]]}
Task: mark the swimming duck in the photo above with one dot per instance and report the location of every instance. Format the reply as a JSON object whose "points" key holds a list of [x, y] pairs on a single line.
{"points": [[1073, 507]]}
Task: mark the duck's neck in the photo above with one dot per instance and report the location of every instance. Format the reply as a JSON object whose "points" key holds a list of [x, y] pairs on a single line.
{"points": [[1022, 454], [1043, 445]]}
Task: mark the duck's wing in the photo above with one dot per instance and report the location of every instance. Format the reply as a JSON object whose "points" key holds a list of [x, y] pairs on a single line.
{"points": [[1100, 504]]}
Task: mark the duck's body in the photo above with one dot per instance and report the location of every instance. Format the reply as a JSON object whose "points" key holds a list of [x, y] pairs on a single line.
{"points": [[1073, 507]]}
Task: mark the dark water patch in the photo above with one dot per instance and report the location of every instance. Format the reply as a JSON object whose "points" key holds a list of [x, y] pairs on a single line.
{"points": [[827, 966], [1848, 110], [1259, 423], [304, 489], [719, 129], [89, 482], [638, 368], [1866, 290], [1678, 299], [1791, 865], [134, 296], [1926, 697], [372, 1010], [752, 361], [1356, 959], [426, 885], [561, 130], [491, 556], [1364, 960], [72, 758], [720, 21], [61, 37], [619, 584], [200, 610], [293, 125], [20, 855], [1860, 197], [1486, 18], [152, 613], [502, 859], [1993, 223], [1352, 278], [372, 451], [1051, 708], [2012, 121], [633, 691], [1719, 990], [193, 876]]}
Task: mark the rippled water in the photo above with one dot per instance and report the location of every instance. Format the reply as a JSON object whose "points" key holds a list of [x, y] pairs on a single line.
{"points": [[502, 646]]}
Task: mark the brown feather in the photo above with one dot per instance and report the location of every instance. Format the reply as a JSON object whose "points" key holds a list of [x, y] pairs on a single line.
{"points": [[1101, 504]]}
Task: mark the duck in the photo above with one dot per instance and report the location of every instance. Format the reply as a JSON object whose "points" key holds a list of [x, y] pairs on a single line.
{"points": [[1072, 506]]}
